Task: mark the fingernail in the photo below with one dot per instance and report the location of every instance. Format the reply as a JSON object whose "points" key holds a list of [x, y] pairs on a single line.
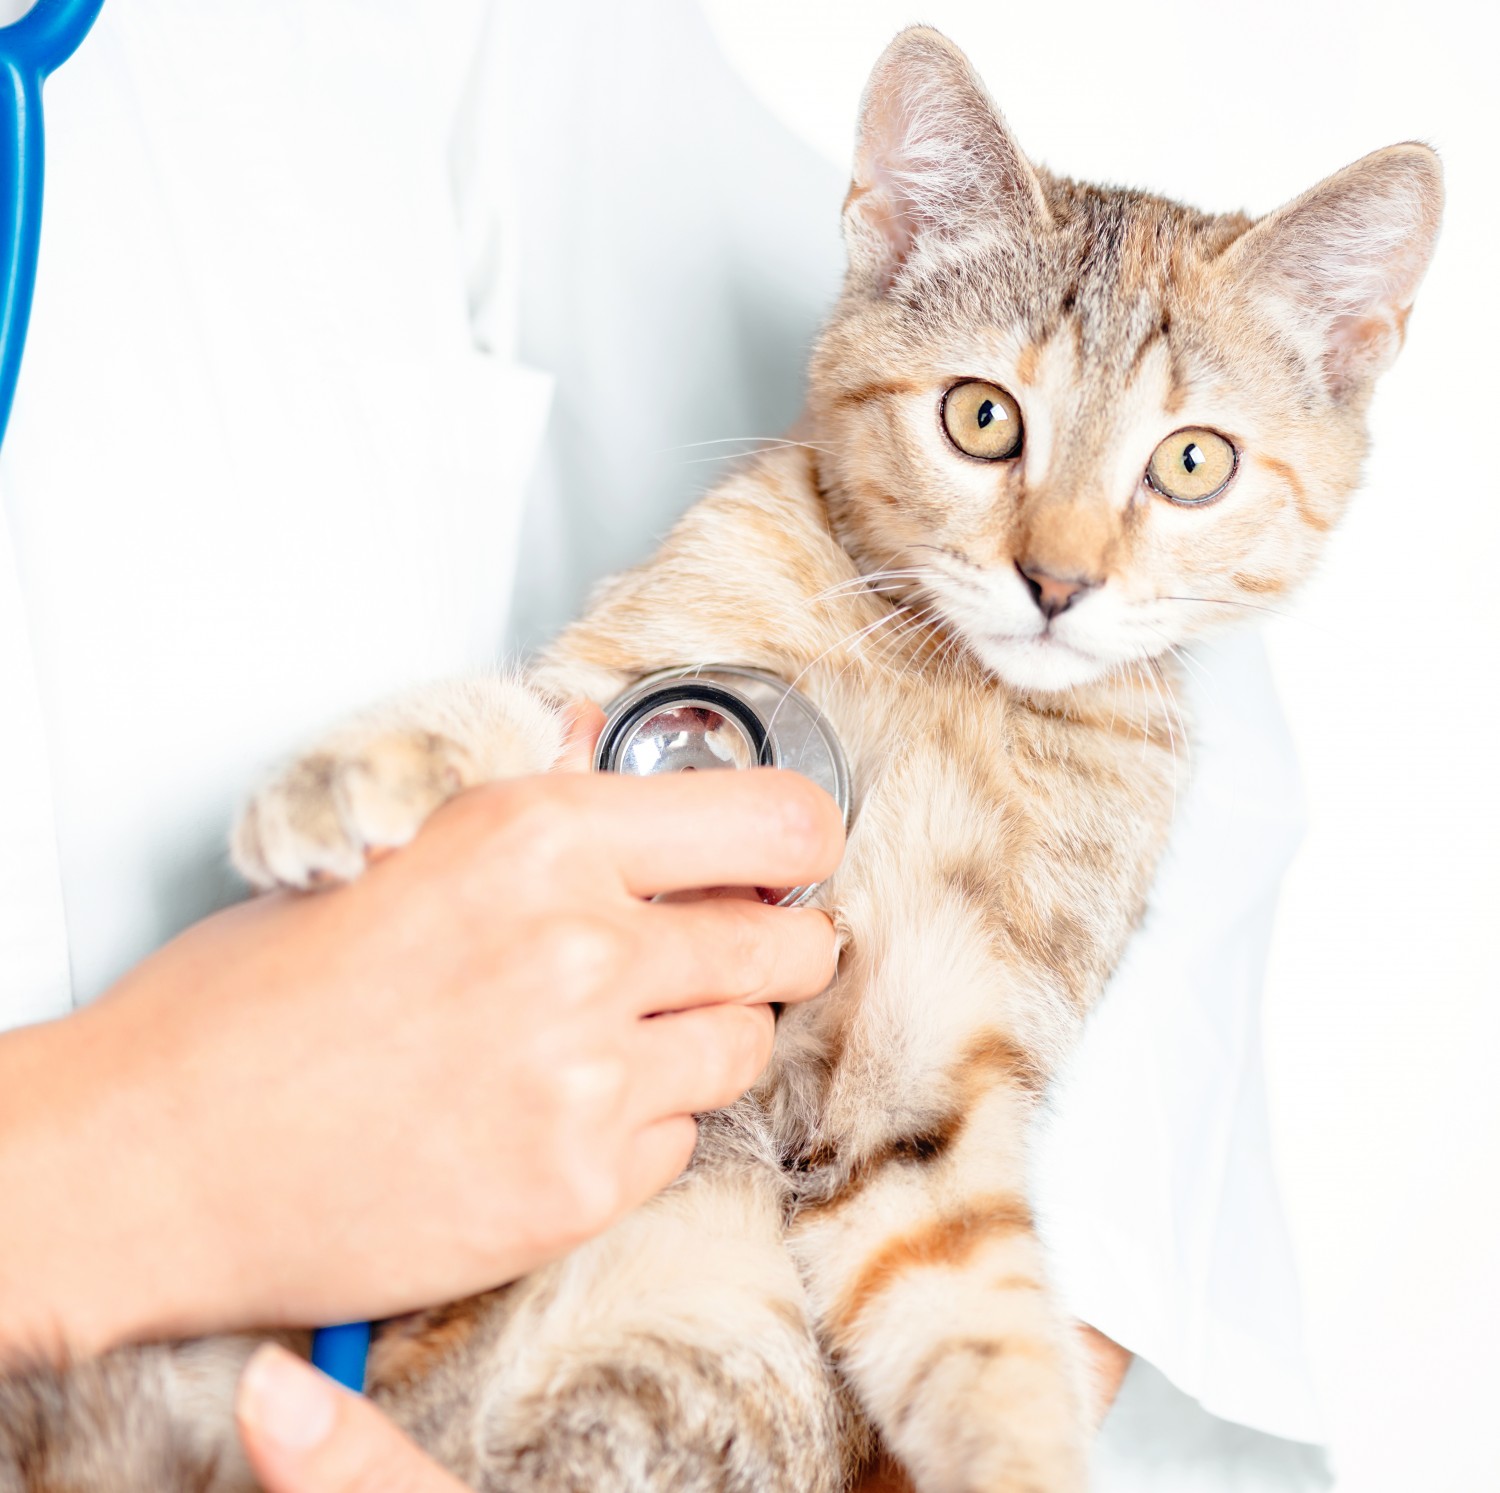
{"points": [[284, 1399]]}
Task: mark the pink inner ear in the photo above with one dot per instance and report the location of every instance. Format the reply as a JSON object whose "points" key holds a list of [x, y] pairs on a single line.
{"points": [[892, 220], [1358, 347], [890, 171], [1368, 288], [1350, 254], [933, 156]]}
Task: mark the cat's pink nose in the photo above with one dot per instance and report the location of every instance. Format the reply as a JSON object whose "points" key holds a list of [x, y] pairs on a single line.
{"points": [[1053, 594]]}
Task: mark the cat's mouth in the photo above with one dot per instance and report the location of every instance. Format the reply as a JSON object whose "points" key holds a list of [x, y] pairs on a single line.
{"points": [[1045, 642], [1040, 661], [1038, 658]]}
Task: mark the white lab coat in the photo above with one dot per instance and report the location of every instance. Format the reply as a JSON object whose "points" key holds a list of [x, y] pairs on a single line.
{"points": [[341, 310]]}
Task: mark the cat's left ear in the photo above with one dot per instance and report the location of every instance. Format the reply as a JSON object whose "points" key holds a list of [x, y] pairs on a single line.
{"points": [[933, 160], [1339, 266]]}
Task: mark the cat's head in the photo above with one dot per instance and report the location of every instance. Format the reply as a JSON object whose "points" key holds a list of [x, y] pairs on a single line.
{"points": [[1083, 424]]}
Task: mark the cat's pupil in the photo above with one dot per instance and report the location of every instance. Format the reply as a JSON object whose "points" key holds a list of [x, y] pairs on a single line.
{"points": [[986, 413], [1192, 458]]}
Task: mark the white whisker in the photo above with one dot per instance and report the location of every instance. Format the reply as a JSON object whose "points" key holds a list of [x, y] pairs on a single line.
{"points": [[847, 640], [855, 583], [1157, 681], [775, 441]]}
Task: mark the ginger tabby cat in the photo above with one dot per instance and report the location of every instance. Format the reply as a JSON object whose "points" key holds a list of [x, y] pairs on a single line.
{"points": [[1054, 432]]}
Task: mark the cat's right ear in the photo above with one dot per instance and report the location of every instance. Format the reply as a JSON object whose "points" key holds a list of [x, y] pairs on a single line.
{"points": [[1338, 267], [933, 158]]}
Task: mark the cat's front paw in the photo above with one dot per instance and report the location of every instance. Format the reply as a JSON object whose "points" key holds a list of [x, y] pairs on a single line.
{"points": [[319, 818]]}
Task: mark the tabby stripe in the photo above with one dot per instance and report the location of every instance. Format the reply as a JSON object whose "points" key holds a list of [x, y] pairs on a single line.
{"points": [[982, 1348], [946, 1241], [1263, 585], [1285, 473], [869, 393], [990, 1061], [993, 1057]]}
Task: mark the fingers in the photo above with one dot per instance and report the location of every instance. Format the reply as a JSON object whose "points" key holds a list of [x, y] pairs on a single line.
{"points": [[733, 950], [1107, 1364], [303, 1434], [585, 722], [694, 1061], [687, 830], [660, 1155]]}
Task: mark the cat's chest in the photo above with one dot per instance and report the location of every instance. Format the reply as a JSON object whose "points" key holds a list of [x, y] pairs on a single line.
{"points": [[996, 864], [960, 791]]}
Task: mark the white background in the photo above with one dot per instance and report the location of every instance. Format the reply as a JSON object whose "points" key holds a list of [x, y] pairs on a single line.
{"points": [[1383, 1024]]}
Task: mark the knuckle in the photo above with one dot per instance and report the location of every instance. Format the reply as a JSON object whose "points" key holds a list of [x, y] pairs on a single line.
{"points": [[591, 1091], [536, 826], [582, 954], [752, 952]]}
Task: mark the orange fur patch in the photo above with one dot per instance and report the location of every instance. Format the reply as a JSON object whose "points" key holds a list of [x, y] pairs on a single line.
{"points": [[946, 1241], [993, 1058], [408, 1348], [1285, 474], [870, 393]]}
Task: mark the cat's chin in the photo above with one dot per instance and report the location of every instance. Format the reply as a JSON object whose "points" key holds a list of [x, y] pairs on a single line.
{"points": [[1040, 666]]}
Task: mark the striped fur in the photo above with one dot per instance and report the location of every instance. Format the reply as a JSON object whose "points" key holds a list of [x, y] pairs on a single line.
{"points": [[850, 1268]]}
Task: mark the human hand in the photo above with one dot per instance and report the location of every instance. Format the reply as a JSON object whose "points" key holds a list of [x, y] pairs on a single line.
{"points": [[400, 1091], [303, 1434], [1107, 1363]]}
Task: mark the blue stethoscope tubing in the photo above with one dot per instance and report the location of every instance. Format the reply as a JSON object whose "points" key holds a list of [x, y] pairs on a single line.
{"points": [[31, 49], [341, 1352]]}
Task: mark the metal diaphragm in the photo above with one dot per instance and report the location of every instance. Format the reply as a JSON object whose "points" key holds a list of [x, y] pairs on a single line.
{"points": [[722, 716]]}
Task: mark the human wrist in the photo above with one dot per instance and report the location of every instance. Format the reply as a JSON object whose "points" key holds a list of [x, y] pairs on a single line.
{"points": [[93, 1249], [45, 1301]]}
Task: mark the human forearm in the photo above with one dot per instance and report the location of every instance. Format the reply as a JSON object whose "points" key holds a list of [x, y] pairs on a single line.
{"points": [[279, 1117], [95, 1247]]}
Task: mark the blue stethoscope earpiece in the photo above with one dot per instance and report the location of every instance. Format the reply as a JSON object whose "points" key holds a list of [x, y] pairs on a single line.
{"points": [[706, 716], [31, 48]]}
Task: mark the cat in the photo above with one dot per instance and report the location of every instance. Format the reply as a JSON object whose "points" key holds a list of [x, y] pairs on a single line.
{"points": [[1054, 432]]}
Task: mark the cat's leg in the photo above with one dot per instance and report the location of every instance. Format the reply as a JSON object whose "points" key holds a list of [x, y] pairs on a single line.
{"points": [[137, 1420], [926, 1279], [372, 782], [671, 1355]]}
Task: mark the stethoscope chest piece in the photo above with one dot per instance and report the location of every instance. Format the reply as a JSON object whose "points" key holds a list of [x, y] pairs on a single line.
{"points": [[722, 716]]}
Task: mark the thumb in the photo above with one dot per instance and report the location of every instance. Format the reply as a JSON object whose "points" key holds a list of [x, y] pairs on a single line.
{"points": [[585, 722], [303, 1434]]}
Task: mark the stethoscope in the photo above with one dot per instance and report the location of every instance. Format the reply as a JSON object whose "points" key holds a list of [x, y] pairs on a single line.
{"points": [[696, 719], [700, 718], [30, 49]]}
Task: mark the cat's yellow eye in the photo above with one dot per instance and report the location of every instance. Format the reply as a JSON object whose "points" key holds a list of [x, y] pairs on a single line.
{"points": [[982, 420], [1192, 466]]}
